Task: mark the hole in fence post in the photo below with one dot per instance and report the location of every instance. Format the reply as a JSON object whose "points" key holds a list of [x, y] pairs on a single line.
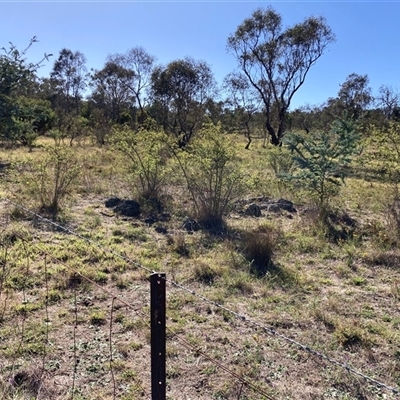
{"points": [[158, 344]]}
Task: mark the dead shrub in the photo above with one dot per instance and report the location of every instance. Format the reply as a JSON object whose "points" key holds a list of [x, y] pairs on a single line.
{"points": [[389, 259], [259, 246]]}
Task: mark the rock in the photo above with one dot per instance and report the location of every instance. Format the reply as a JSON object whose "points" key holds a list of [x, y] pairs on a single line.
{"points": [[280, 205], [161, 229], [342, 219], [165, 217], [190, 225], [128, 208], [113, 202], [150, 220], [153, 218], [253, 210]]}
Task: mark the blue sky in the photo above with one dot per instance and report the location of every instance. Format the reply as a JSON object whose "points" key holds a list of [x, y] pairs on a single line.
{"points": [[368, 34]]}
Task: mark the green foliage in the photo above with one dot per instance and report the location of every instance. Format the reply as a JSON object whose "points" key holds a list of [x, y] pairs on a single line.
{"points": [[16, 79], [321, 159], [51, 179], [180, 91], [212, 176], [33, 118], [383, 155], [276, 60], [280, 160], [97, 318], [147, 155]]}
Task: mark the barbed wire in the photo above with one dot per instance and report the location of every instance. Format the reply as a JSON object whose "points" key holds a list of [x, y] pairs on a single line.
{"points": [[77, 235], [241, 317], [173, 334], [220, 365], [275, 333]]}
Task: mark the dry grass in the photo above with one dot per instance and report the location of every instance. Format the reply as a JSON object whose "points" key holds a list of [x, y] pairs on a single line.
{"points": [[58, 313]]}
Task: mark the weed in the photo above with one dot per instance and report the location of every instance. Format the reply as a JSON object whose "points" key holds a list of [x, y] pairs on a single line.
{"points": [[180, 246], [205, 274], [135, 346], [358, 281], [132, 234], [209, 370], [99, 277], [97, 318], [27, 308], [350, 336], [53, 296], [147, 154], [212, 177]]}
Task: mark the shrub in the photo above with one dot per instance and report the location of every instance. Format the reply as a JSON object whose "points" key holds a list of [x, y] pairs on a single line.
{"points": [[51, 180], [213, 179], [259, 246], [147, 153], [280, 160], [97, 318], [321, 158]]}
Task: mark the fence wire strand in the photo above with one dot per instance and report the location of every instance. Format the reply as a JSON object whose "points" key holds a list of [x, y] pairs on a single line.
{"points": [[114, 297], [241, 317]]}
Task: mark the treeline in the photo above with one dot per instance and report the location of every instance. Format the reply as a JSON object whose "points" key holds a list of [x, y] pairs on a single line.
{"points": [[178, 98]]}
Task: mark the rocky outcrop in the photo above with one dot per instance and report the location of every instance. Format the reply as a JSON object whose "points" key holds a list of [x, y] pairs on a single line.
{"points": [[256, 206]]}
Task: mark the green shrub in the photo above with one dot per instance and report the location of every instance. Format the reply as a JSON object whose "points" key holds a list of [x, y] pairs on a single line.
{"points": [[321, 159], [212, 176], [280, 160], [147, 155], [51, 180], [97, 318]]}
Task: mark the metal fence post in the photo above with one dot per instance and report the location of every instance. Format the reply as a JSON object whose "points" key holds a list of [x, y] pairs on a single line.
{"points": [[158, 340]]}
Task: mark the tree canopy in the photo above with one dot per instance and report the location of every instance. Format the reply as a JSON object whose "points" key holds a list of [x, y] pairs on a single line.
{"points": [[180, 92], [276, 61]]}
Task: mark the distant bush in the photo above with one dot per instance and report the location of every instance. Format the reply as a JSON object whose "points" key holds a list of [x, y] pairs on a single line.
{"points": [[383, 151]]}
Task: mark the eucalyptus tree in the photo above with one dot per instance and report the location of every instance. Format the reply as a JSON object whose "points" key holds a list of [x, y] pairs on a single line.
{"points": [[70, 78], [355, 95], [68, 82], [388, 100], [276, 61], [242, 97], [180, 93], [110, 93], [135, 69]]}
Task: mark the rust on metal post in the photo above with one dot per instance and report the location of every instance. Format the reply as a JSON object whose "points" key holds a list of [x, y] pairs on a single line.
{"points": [[158, 340]]}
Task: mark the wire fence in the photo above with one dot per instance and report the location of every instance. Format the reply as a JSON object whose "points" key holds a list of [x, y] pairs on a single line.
{"points": [[75, 324]]}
